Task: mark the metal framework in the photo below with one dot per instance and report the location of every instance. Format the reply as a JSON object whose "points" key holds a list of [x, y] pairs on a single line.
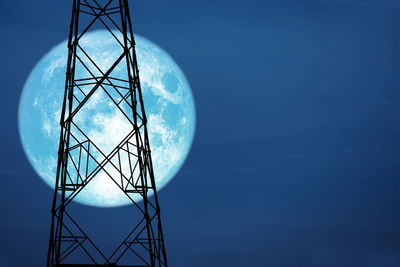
{"points": [[81, 160]]}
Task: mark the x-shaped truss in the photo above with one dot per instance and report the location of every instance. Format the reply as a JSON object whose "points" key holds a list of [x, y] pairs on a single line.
{"points": [[81, 160]]}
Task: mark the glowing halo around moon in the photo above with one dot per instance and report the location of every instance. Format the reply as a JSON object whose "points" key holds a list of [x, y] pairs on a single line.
{"points": [[167, 99]]}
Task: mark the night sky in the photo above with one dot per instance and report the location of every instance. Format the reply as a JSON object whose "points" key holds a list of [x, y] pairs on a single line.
{"points": [[295, 160]]}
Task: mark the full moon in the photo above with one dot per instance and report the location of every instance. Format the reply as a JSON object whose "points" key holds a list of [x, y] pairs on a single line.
{"points": [[167, 98]]}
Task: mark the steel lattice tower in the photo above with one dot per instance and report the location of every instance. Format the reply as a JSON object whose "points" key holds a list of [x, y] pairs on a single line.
{"points": [[80, 159]]}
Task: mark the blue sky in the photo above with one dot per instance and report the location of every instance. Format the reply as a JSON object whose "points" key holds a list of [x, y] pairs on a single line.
{"points": [[295, 160]]}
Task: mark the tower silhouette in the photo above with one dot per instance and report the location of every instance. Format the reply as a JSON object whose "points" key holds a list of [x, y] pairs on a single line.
{"points": [[127, 165]]}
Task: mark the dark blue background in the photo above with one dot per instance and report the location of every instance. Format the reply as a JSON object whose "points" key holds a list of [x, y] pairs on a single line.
{"points": [[296, 157]]}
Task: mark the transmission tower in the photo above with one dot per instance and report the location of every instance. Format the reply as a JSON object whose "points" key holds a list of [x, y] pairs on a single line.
{"points": [[81, 160]]}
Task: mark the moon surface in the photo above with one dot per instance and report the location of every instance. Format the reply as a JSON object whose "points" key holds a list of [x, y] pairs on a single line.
{"points": [[167, 98]]}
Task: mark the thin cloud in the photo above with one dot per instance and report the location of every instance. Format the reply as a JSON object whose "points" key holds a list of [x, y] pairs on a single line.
{"points": [[227, 170], [9, 172], [379, 2]]}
